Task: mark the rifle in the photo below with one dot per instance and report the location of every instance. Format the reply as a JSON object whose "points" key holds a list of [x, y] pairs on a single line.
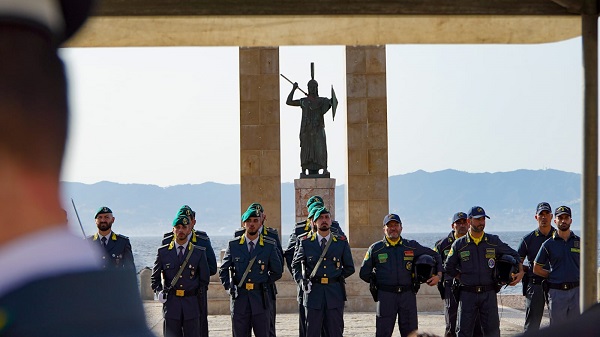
{"points": [[373, 287], [305, 281], [76, 213], [232, 289]]}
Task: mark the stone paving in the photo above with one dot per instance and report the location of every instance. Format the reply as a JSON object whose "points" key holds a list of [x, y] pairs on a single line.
{"points": [[358, 324]]}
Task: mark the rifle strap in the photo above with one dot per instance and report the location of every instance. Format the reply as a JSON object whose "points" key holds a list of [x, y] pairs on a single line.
{"points": [[246, 272], [182, 267], [314, 271]]}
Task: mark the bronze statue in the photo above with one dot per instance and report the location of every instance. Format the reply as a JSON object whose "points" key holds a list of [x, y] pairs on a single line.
{"points": [[313, 142]]}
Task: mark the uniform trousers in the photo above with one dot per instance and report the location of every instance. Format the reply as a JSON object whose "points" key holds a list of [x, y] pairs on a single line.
{"points": [[330, 320], [402, 306], [564, 305], [245, 322], [485, 305], [534, 306], [451, 311], [203, 303], [181, 327]]}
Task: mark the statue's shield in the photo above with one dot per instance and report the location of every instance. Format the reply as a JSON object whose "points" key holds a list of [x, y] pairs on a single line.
{"points": [[334, 102]]}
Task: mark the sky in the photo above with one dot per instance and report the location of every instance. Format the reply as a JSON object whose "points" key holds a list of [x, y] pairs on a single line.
{"points": [[170, 116]]}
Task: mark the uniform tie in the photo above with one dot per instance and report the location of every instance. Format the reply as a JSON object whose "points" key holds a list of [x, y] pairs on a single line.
{"points": [[180, 255], [104, 241], [323, 243], [251, 243]]}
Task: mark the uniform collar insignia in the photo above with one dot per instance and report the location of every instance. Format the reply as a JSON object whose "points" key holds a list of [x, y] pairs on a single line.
{"points": [[114, 236]]}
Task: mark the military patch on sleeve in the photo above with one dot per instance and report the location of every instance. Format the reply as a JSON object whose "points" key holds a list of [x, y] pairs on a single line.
{"points": [[367, 254]]}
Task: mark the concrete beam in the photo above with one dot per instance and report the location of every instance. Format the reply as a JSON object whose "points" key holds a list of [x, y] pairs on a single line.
{"points": [[249, 31]]}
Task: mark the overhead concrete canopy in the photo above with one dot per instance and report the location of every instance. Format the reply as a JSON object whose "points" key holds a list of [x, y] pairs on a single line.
{"points": [[118, 23]]}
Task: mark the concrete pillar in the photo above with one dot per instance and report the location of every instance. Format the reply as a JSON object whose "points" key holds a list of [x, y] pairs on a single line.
{"points": [[259, 131], [367, 191]]}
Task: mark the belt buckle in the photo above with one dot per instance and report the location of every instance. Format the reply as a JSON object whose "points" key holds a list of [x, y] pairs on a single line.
{"points": [[324, 280], [399, 289], [249, 286], [180, 292], [565, 286], [478, 289]]}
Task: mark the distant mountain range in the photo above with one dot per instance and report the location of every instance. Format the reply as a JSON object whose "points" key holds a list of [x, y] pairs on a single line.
{"points": [[425, 201]]}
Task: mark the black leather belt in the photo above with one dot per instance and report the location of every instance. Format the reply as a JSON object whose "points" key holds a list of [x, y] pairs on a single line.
{"points": [[324, 280], [394, 289], [563, 286], [252, 286], [477, 289]]}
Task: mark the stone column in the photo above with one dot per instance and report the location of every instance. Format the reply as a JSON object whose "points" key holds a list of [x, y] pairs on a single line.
{"points": [[367, 190], [259, 131]]}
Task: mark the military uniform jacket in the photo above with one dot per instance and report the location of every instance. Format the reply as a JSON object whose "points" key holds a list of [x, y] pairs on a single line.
{"points": [[393, 264], [476, 263], [201, 239], [561, 258], [530, 246], [269, 234], [117, 253], [267, 269], [194, 277], [336, 266], [301, 228], [443, 248]]}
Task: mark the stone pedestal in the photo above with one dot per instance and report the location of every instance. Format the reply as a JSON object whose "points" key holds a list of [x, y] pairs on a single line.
{"points": [[306, 188]]}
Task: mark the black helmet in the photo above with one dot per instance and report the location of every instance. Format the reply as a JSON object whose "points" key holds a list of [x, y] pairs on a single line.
{"points": [[424, 267], [505, 266]]}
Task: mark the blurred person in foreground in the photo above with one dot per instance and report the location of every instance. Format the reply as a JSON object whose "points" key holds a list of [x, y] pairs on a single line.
{"points": [[52, 282]]}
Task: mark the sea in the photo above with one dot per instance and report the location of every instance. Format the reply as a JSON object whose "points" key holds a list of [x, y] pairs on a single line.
{"points": [[145, 247]]}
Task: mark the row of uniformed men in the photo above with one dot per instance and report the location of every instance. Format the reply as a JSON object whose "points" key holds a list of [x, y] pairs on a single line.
{"points": [[388, 266]]}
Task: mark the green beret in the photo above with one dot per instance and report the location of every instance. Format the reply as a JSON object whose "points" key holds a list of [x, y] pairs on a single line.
{"points": [[318, 211], [313, 199], [313, 207], [185, 210], [102, 210], [250, 212], [181, 220], [256, 206]]}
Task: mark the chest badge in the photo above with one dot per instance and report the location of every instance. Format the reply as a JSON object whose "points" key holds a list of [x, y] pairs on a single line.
{"points": [[491, 263]]}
